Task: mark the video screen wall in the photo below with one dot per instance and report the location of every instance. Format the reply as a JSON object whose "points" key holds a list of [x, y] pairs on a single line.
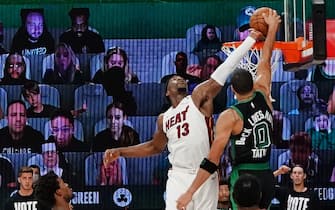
{"points": [[86, 59]]}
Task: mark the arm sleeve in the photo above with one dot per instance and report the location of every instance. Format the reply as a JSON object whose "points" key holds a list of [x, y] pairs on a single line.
{"points": [[223, 71]]}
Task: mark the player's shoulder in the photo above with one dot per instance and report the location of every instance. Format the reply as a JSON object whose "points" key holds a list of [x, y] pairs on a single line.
{"points": [[160, 118], [229, 115]]}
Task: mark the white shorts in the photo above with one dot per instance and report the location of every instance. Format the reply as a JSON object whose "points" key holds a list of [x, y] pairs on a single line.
{"points": [[206, 197]]}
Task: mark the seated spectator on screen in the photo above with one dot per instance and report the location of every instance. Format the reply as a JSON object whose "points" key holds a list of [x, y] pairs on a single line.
{"points": [[33, 38], [111, 174], [7, 174], [115, 57], [300, 152], [2, 48], [62, 129], [307, 96], [36, 172], [242, 21], [224, 197], [181, 63], [113, 81], [54, 160], [117, 134], [209, 44], [65, 70], [31, 93], [322, 133], [18, 137], [194, 70], [23, 198], [14, 70], [210, 64], [80, 37], [308, 105]]}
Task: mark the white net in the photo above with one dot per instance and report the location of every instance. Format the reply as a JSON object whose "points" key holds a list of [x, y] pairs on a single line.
{"points": [[250, 60]]}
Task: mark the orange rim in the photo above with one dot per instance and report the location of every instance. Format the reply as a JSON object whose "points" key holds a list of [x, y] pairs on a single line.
{"points": [[294, 51]]}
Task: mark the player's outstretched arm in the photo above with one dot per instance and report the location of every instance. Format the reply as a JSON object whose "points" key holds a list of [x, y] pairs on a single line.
{"points": [[263, 73], [154, 146], [207, 90], [209, 165]]}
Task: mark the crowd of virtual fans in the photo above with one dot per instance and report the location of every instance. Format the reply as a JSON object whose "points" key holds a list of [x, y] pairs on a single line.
{"points": [[308, 119]]}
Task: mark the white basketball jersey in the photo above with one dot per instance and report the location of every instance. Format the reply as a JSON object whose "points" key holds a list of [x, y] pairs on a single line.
{"points": [[188, 134]]}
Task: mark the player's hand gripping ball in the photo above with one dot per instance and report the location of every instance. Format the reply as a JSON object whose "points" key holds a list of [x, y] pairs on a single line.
{"points": [[257, 21]]}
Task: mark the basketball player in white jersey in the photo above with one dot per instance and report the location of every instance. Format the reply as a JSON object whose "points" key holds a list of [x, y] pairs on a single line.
{"points": [[184, 129]]}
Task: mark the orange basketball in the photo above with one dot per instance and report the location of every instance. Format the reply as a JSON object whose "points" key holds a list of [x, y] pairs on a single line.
{"points": [[257, 21]]}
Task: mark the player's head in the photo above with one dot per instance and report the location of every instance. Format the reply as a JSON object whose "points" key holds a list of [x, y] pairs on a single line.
{"points": [[242, 82], [176, 85], [50, 188], [247, 191]]}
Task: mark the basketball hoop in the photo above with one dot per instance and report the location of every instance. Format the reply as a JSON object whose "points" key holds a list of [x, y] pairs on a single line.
{"points": [[295, 53]]}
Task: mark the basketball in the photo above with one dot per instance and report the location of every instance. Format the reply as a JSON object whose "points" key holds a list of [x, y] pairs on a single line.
{"points": [[257, 21]]}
